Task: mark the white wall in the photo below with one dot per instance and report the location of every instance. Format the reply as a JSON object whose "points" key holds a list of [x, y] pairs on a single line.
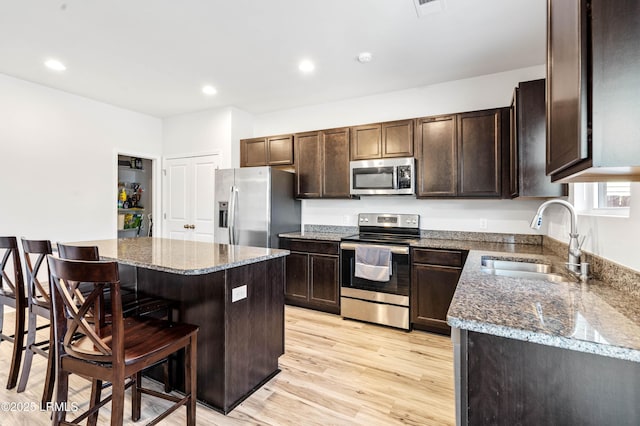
{"points": [[206, 132], [505, 216], [471, 94], [199, 133], [58, 174], [241, 128]]}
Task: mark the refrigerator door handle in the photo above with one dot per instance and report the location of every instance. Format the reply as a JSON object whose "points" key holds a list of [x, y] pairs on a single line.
{"points": [[232, 215]]}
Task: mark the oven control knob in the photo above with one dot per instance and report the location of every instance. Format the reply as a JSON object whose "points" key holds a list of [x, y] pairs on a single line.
{"points": [[366, 219]]}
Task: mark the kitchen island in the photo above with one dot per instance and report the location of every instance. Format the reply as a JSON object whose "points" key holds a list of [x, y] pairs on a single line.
{"points": [[235, 294], [530, 351]]}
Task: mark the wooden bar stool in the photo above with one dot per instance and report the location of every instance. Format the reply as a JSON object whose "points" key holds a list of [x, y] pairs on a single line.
{"points": [[132, 303], [39, 306], [87, 345], [12, 294]]}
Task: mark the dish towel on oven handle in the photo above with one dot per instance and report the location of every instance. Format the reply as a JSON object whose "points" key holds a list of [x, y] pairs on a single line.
{"points": [[373, 263]]}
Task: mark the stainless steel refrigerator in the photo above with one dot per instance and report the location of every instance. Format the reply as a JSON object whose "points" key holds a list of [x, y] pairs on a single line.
{"points": [[254, 205]]}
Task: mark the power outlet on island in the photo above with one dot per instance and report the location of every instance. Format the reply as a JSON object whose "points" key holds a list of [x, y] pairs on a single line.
{"points": [[238, 293], [483, 224]]}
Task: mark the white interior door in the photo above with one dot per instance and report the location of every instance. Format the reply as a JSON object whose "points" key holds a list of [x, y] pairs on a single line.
{"points": [[176, 175], [204, 191], [189, 184]]}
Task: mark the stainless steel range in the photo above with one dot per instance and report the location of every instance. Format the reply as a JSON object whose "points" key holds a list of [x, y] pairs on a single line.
{"points": [[375, 269]]}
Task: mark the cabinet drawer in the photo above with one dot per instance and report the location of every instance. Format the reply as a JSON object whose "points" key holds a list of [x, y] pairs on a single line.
{"points": [[438, 257], [310, 246]]}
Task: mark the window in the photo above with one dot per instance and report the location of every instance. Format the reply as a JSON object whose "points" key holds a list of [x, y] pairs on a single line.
{"points": [[613, 195], [603, 198]]}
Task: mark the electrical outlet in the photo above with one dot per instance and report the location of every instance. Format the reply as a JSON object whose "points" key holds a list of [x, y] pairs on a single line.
{"points": [[238, 293], [483, 224]]}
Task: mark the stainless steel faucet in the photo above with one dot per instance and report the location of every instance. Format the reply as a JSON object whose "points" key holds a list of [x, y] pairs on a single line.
{"points": [[574, 263]]}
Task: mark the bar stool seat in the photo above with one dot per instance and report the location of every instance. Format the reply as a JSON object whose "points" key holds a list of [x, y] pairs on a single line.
{"points": [[138, 347]]}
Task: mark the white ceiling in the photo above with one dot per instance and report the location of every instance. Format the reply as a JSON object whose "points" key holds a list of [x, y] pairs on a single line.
{"points": [[154, 56]]}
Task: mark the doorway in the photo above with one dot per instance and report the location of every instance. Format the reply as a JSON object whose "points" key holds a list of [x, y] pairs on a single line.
{"points": [[135, 197], [188, 197]]}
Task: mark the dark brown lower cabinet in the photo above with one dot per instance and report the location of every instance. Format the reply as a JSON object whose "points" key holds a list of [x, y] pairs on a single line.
{"points": [[434, 277], [312, 274], [501, 381]]}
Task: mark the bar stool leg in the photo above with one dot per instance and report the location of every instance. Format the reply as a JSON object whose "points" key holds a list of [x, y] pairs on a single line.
{"points": [[18, 341], [28, 353], [191, 379], [59, 415], [96, 390], [136, 397], [47, 393], [117, 402]]}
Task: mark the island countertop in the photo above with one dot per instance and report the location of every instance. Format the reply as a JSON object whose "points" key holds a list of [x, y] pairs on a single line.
{"points": [[178, 256], [588, 317]]}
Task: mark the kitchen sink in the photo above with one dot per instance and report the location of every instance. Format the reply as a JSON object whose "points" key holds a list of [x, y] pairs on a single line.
{"points": [[523, 269]]}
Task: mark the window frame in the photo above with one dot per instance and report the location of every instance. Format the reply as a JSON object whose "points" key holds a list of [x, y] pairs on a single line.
{"points": [[587, 197]]}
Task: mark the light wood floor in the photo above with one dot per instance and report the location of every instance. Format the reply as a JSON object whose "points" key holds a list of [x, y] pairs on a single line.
{"points": [[334, 372]]}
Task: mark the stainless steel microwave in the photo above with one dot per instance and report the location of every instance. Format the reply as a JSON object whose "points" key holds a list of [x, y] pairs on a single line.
{"points": [[387, 176]]}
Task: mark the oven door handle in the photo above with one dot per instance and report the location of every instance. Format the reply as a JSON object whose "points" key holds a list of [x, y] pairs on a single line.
{"points": [[394, 249]]}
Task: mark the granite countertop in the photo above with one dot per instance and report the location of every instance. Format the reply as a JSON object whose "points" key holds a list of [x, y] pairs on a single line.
{"points": [[180, 257], [588, 317], [439, 243]]}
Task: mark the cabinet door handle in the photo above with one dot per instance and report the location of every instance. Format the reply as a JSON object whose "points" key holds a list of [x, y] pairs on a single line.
{"points": [[192, 227], [186, 226]]}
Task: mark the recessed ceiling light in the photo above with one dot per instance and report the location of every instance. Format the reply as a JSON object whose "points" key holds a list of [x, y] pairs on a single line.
{"points": [[306, 66], [209, 90], [365, 57], [54, 64]]}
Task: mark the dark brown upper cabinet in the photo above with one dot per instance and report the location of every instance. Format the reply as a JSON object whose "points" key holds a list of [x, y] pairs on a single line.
{"points": [[436, 151], [460, 155], [267, 151], [480, 154], [253, 152], [593, 58], [527, 144], [322, 164], [335, 163], [308, 165], [382, 140]]}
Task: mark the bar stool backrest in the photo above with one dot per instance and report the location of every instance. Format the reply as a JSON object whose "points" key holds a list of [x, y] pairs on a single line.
{"points": [[11, 280], [80, 325], [35, 252]]}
